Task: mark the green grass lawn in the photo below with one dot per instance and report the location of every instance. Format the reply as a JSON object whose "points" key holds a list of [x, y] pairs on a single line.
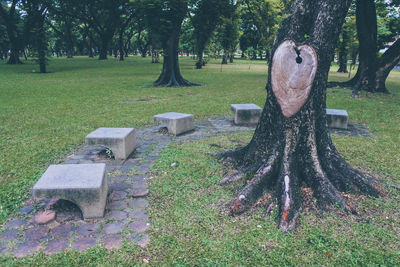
{"points": [[44, 117]]}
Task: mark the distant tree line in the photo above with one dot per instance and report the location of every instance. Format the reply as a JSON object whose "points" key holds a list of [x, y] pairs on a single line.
{"points": [[201, 28]]}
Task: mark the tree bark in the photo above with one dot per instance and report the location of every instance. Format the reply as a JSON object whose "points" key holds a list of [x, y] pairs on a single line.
{"points": [[68, 36], [171, 75], [224, 58], [200, 51], [343, 54], [41, 46], [15, 45], [385, 65], [291, 144]]}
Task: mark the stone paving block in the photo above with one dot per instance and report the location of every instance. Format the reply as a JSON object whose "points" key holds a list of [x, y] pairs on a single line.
{"points": [[117, 195], [37, 233], [139, 226], [16, 223], [62, 231], [84, 243], [113, 228], [87, 229], [112, 241], [121, 141], [83, 184], [117, 205], [246, 113], [138, 215], [9, 235], [56, 246], [26, 249], [138, 203], [117, 215], [26, 210], [337, 118], [177, 123]]}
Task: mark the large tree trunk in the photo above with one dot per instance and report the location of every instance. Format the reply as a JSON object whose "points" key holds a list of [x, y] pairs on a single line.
{"points": [[385, 64], [104, 47], [291, 144], [15, 46], [171, 75], [372, 71]]}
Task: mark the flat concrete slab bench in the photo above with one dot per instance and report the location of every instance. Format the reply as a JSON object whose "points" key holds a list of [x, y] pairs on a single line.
{"points": [[121, 141], [177, 123], [246, 113], [83, 184], [337, 118]]}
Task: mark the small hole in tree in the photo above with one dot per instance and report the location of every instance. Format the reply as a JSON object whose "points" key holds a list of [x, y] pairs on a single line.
{"points": [[298, 58]]}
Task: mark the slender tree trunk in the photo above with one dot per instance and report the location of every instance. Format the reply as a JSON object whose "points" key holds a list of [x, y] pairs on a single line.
{"points": [[291, 144], [68, 36], [224, 58], [343, 54], [42, 46], [199, 52], [171, 75], [121, 46]]}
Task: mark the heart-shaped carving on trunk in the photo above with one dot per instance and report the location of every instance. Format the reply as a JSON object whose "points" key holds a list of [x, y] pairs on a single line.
{"points": [[292, 75]]}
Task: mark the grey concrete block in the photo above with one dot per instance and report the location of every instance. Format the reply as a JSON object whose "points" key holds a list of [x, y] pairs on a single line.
{"points": [[121, 141], [337, 118], [246, 113], [83, 184], [177, 123]]}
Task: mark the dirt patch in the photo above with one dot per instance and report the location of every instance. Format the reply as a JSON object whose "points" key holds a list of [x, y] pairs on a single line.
{"points": [[138, 100]]}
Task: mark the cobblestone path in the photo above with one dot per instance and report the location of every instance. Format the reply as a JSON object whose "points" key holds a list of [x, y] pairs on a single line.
{"points": [[55, 225]]}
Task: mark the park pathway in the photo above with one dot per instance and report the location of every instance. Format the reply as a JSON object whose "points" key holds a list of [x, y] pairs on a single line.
{"points": [[54, 226]]}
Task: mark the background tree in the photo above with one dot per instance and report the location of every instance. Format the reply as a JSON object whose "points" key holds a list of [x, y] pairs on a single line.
{"points": [[4, 44], [228, 31], [372, 70], [64, 27], [261, 19], [206, 16], [12, 18], [164, 20], [36, 15], [186, 40], [102, 16], [291, 144]]}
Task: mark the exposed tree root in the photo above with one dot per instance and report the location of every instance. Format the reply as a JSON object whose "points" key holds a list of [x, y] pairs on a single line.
{"points": [[238, 175], [285, 168]]}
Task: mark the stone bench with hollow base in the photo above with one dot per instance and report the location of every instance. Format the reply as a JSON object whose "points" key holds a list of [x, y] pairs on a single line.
{"points": [[337, 118], [121, 141], [83, 184], [246, 113], [177, 123]]}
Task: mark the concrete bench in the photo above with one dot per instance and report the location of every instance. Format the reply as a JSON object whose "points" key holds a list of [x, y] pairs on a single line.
{"points": [[121, 141], [246, 113], [177, 123], [83, 184], [337, 118]]}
